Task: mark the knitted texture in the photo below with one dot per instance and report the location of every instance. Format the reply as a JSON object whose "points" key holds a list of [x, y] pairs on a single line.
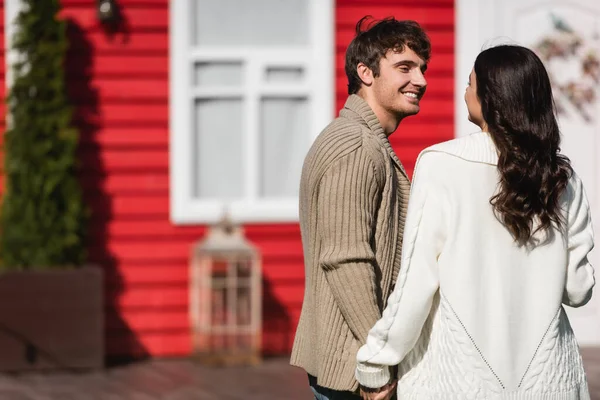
{"points": [[557, 366], [446, 364], [473, 315], [353, 200], [449, 366]]}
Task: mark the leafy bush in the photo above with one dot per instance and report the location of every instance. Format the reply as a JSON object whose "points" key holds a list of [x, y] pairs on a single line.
{"points": [[43, 217]]}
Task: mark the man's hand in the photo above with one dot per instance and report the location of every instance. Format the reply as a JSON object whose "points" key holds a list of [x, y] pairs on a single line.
{"points": [[383, 393]]}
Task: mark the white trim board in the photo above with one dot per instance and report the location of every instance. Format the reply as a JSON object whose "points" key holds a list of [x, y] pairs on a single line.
{"points": [[474, 33], [468, 45], [11, 10]]}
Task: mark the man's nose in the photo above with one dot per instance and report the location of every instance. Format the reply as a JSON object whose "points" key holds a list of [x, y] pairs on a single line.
{"points": [[418, 78]]}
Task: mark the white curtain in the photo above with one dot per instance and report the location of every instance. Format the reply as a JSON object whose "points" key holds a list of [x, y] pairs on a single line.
{"points": [[219, 149], [284, 143]]}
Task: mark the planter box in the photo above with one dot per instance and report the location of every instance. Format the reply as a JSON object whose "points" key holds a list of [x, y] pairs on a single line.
{"points": [[51, 320]]}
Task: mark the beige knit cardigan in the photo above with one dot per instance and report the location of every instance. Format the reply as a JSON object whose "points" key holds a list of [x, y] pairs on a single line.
{"points": [[353, 200]]}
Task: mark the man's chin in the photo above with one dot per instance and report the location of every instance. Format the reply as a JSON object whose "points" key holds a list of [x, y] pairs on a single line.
{"points": [[414, 110]]}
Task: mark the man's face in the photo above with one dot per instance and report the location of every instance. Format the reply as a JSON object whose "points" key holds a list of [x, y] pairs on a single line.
{"points": [[401, 82]]}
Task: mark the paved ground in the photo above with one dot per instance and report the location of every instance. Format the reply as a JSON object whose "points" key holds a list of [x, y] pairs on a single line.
{"points": [[186, 380]]}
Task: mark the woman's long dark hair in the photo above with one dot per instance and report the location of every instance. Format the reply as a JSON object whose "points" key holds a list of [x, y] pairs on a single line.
{"points": [[517, 105]]}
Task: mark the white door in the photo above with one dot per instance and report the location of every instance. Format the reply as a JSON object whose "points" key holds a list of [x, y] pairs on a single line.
{"points": [[566, 35]]}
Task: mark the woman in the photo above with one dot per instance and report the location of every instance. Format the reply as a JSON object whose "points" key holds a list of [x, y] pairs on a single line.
{"points": [[496, 240]]}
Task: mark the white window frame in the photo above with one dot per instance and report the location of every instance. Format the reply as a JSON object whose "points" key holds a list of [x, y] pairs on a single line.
{"points": [[318, 86]]}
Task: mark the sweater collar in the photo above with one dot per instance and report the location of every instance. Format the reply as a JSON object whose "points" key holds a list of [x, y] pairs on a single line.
{"points": [[477, 147], [357, 109]]}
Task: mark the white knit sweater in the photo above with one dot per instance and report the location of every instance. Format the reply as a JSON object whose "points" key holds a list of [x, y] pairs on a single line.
{"points": [[473, 315]]}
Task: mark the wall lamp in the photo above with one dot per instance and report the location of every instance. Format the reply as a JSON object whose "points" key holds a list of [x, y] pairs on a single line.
{"points": [[108, 11]]}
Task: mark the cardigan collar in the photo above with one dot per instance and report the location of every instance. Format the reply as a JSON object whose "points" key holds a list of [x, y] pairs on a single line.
{"points": [[477, 147], [358, 110]]}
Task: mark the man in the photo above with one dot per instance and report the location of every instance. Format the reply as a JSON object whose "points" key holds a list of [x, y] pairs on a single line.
{"points": [[353, 199]]}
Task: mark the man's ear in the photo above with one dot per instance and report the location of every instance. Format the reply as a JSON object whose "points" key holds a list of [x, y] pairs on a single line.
{"points": [[365, 74]]}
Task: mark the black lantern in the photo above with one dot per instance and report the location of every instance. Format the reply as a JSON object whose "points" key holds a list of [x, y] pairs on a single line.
{"points": [[108, 11]]}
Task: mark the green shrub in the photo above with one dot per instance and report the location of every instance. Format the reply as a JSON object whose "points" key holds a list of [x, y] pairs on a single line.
{"points": [[43, 218]]}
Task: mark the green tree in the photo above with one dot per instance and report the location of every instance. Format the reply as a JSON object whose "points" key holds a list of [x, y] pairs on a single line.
{"points": [[43, 217]]}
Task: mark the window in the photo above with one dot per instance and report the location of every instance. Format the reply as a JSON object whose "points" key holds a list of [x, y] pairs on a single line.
{"points": [[251, 87]]}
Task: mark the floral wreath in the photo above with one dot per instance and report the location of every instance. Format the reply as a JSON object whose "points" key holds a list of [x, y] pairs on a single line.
{"points": [[564, 43]]}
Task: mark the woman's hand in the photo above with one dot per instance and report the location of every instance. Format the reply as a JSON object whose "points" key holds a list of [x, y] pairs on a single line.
{"points": [[383, 393]]}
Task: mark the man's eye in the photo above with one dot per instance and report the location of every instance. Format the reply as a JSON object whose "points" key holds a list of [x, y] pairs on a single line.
{"points": [[404, 69]]}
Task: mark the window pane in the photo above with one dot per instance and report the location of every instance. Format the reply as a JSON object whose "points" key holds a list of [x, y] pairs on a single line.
{"points": [[284, 143], [217, 74], [219, 149], [256, 22], [284, 74]]}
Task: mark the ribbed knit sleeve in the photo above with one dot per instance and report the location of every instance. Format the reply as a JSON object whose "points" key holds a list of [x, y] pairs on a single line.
{"points": [[395, 334], [348, 198], [580, 274]]}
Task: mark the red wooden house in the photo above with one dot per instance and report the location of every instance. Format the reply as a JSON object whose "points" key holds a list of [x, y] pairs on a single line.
{"points": [[193, 107]]}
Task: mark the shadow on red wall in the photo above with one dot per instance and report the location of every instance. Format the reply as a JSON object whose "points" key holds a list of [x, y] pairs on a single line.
{"points": [[278, 331], [121, 342]]}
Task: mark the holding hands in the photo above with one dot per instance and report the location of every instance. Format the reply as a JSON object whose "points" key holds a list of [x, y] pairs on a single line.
{"points": [[383, 393]]}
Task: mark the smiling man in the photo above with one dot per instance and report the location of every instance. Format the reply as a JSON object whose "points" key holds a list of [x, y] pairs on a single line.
{"points": [[353, 199]]}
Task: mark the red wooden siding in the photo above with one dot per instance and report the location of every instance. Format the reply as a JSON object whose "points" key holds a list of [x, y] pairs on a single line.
{"points": [[435, 121], [120, 83]]}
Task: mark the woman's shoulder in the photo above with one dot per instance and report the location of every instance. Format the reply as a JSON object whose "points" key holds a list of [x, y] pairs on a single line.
{"points": [[575, 194], [575, 184], [447, 162], [477, 147]]}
